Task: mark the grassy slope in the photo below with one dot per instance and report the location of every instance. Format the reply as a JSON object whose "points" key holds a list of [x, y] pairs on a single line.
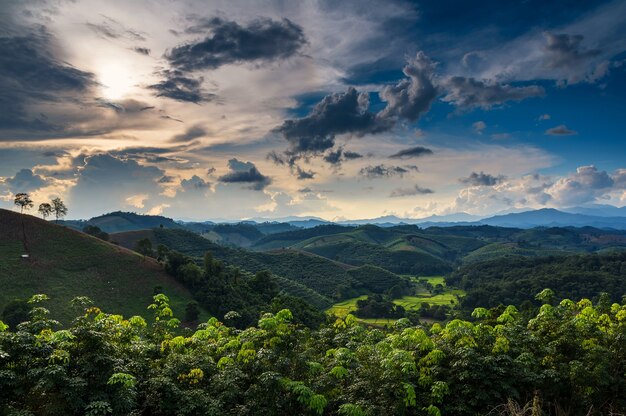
{"points": [[65, 263]]}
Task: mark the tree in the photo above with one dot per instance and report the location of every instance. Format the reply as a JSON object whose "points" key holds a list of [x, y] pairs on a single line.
{"points": [[59, 208], [45, 210], [96, 232], [144, 246], [23, 201], [192, 312]]}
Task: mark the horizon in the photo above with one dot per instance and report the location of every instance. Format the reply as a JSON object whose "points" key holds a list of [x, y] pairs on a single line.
{"points": [[344, 111], [594, 211]]}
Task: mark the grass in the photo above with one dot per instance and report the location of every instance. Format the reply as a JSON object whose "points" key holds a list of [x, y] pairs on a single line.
{"points": [[65, 263], [449, 297]]}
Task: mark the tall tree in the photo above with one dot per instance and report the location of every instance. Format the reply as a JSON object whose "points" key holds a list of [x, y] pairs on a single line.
{"points": [[45, 210], [23, 201], [59, 208]]}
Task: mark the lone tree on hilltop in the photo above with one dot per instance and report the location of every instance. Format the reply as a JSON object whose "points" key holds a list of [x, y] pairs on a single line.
{"points": [[23, 201], [45, 210], [59, 208]]}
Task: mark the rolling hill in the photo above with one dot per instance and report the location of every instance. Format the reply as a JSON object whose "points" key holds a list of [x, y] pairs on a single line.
{"points": [[317, 279], [64, 263]]}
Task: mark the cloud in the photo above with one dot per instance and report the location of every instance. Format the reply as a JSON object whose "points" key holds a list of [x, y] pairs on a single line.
{"points": [[25, 181], [479, 126], [227, 42], [416, 151], [412, 96], [336, 157], [380, 171], [560, 130], [245, 172], [190, 134], [481, 179], [142, 51], [180, 87], [112, 29], [30, 73], [338, 113], [415, 190], [564, 51], [194, 183], [106, 182], [469, 93], [587, 184], [167, 179], [304, 174]]}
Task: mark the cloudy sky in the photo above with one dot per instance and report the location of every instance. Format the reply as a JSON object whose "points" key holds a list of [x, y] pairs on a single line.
{"points": [[353, 109]]}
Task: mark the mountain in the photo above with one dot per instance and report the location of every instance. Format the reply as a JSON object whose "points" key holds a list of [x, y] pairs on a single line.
{"points": [[598, 210], [549, 217], [456, 217], [64, 263]]}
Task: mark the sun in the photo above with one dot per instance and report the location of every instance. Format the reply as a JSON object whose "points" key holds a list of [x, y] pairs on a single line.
{"points": [[116, 81]]}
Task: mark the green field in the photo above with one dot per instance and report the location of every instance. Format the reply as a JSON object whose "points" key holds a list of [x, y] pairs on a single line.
{"points": [[65, 263], [449, 297]]}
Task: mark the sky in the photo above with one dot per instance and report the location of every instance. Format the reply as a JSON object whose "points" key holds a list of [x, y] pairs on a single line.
{"points": [[231, 109]]}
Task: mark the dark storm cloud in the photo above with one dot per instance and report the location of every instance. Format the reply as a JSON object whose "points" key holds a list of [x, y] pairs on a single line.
{"points": [[416, 151], [25, 181], [415, 190], [277, 158], [245, 172], [336, 157], [348, 113], [192, 133], [564, 51], [481, 179], [338, 113], [412, 96], [180, 87], [560, 130], [228, 42], [142, 51], [382, 171], [31, 73], [469, 93], [304, 174]]}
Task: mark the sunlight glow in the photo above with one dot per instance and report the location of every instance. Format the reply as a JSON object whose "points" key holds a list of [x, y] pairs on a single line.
{"points": [[116, 81]]}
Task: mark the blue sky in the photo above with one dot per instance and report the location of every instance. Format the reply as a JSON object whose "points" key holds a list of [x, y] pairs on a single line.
{"points": [[352, 109]]}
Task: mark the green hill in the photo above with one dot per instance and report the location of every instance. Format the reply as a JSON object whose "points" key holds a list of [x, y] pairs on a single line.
{"points": [[64, 263], [317, 279]]}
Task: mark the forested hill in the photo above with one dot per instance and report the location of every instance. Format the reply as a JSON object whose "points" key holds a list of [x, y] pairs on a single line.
{"points": [[318, 280], [64, 263]]}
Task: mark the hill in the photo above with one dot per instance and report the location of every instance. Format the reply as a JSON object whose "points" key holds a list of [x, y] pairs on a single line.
{"points": [[316, 279], [119, 221], [64, 263], [515, 279]]}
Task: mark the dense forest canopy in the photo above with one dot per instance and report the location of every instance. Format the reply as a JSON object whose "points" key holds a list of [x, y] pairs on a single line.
{"points": [[567, 358]]}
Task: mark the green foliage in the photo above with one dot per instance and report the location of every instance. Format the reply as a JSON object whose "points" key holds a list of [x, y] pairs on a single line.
{"points": [[96, 232], [516, 280], [566, 359]]}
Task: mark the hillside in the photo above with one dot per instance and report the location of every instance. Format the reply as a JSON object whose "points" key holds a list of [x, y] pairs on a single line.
{"points": [[317, 279], [65, 263], [515, 279]]}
